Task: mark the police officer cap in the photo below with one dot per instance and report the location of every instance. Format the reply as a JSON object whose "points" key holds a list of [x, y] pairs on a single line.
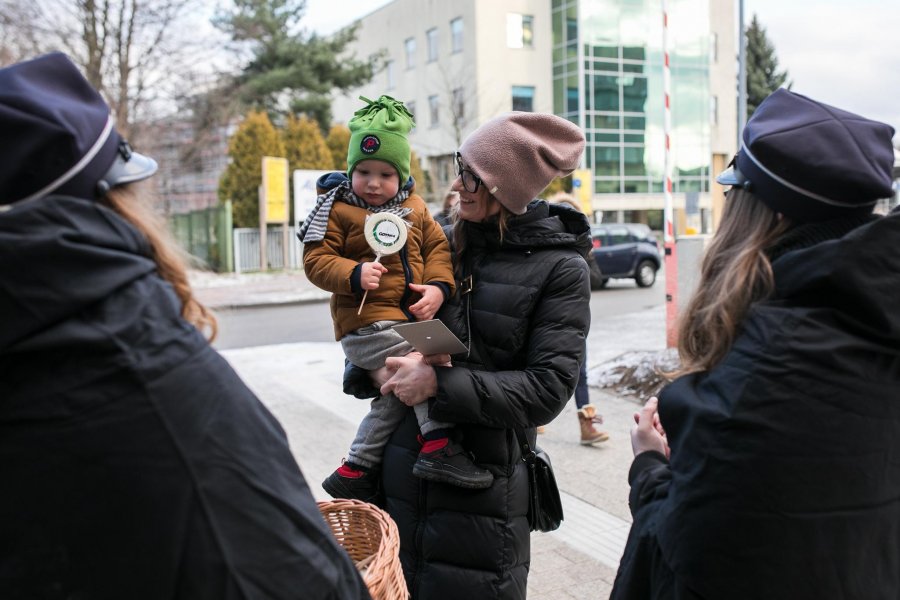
{"points": [[58, 135], [812, 162]]}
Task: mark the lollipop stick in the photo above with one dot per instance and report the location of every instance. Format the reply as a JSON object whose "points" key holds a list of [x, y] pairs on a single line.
{"points": [[377, 259]]}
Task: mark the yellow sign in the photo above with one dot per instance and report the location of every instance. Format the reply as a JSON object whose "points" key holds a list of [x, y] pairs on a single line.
{"points": [[275, 189], [583, 190]]}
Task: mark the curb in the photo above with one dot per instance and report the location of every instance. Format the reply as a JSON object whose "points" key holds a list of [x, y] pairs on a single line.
{"points": [[264, 303]]}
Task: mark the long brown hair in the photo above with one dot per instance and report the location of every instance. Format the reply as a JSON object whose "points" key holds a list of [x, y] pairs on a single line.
{"points": [[130, 201], [460, 231], [735, 273]]}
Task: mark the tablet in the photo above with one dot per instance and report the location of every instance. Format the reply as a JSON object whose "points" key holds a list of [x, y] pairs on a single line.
{"points": [[430, 337]]}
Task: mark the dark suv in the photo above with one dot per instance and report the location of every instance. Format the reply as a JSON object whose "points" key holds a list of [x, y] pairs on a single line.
{"points": [[626, 250]]}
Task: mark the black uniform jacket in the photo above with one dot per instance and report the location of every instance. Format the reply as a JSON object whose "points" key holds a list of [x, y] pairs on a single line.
{"points": [[528, 320], [134, 462], [784, 479]]}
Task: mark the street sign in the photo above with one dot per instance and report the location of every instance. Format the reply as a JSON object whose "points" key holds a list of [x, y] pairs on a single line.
{"points": [[305, 193], [581, 188], [275, 189]]}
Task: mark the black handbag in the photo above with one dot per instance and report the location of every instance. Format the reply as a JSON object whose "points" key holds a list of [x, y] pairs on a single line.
{"points": [[545, 512]]}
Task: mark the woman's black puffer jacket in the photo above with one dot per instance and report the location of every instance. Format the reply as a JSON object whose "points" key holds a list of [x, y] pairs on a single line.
{"points": [[529, 317]]}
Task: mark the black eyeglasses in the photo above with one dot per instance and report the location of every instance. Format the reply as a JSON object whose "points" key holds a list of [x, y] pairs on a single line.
{"points": [[470, 180]]}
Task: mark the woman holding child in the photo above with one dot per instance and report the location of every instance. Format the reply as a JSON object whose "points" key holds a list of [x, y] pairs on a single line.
{"points": [[522, 310]]}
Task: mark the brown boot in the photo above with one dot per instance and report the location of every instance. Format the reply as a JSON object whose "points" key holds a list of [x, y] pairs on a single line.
{"points": [[587, 416]]}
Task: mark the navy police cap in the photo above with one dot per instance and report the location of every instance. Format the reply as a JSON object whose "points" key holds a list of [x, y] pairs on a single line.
{"points": [[58, 135], [812, 162]]}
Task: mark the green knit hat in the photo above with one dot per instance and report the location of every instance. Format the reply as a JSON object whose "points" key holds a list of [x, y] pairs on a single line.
{"points": [[378, 131]]}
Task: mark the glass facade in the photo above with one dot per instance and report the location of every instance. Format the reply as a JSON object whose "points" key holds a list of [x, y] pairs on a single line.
{"points": [[608, 78]]}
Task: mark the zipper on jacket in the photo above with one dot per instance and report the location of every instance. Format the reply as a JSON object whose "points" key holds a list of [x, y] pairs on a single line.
{"points": [[407, 278]]}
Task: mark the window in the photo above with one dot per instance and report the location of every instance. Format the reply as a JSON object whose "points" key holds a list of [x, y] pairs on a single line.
{"points": [[523, 98], [572, 100], [389, 74], [456, 35], [459, 106], [433, 110], [410, 45], [714, 47], [519, 31], [432, 39], [714, 110], [411, 107]]}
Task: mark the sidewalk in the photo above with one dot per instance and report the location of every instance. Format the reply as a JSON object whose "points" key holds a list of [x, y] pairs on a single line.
{"points": [[301, 385], [236, 290]]}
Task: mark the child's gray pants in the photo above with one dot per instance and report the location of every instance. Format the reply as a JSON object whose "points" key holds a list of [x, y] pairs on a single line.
{"points": [[369, 347]]}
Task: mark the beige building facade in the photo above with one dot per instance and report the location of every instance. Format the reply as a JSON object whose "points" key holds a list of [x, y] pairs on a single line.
{"points": [[596, 62]]}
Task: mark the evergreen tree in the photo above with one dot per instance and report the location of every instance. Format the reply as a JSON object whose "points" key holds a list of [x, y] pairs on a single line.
{"points": [[338, 141], [256, 137], [290, 71], [763, 77], [423, 184], [304, 145], [305, 148], [559, 184]]}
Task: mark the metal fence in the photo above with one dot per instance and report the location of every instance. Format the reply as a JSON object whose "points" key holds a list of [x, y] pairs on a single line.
{"points": [[246, 249], [204, 234]]}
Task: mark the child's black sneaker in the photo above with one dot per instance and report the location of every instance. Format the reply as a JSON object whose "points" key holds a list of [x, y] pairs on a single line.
{"points": [[447, 462], [354, 484]]}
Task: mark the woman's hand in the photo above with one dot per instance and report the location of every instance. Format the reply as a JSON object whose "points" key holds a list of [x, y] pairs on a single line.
{"points": [[648, 433], [413, 381]]}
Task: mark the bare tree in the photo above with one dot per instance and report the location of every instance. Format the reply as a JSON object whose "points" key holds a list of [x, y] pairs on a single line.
{"points": [[133, 51]]}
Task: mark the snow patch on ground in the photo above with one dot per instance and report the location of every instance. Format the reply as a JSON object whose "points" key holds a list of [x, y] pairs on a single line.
{"points": [[640, 374]]}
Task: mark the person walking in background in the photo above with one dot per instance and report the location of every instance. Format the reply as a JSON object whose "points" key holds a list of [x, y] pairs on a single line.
{"points": [[587, 412], [135, 463], [444, 216], [522, 309], [770, 468], [405, 286]]}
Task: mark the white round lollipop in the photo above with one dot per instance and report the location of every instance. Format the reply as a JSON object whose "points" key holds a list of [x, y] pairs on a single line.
{"points": [[386, 234]]}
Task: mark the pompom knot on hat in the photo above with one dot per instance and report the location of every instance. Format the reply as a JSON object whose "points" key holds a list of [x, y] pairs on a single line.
{"points": [[518, 154], [811, 161], [59, 136], [379, 131]]}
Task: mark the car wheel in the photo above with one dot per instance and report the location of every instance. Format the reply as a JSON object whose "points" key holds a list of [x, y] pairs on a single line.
{"points": [[603, 282], [645, 276]]}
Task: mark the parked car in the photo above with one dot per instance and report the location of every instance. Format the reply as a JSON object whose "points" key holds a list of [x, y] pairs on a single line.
{"points": [[626, 250]]}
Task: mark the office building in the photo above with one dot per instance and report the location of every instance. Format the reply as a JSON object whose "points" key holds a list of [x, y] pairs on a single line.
{"points": [[598, 63]]}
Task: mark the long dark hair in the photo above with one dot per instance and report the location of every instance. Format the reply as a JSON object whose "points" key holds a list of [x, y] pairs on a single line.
{"points": [[461, 232], [130, 201], [735, 273]]}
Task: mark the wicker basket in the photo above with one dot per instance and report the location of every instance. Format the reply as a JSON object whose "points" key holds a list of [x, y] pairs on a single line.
{"points": [[370, 537]]}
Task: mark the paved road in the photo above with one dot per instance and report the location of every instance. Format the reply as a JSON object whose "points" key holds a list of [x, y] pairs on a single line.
{"points": [[260, 324]]}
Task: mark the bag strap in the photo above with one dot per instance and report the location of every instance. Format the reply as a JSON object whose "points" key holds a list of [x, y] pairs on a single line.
{"points": [[528, 454]]}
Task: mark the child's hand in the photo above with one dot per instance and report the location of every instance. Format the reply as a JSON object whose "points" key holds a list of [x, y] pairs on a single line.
{"points": [[370, 275], [427, 307]]}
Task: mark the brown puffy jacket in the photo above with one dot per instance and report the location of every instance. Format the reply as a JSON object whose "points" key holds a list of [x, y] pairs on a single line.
{"points": [[329, 264]]}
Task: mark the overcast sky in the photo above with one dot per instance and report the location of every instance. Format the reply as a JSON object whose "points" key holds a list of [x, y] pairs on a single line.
{"points": [[845, 53]]}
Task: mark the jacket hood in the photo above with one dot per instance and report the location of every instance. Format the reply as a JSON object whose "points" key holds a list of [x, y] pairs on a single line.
{"points": [[59, 255], [543, 225]]}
